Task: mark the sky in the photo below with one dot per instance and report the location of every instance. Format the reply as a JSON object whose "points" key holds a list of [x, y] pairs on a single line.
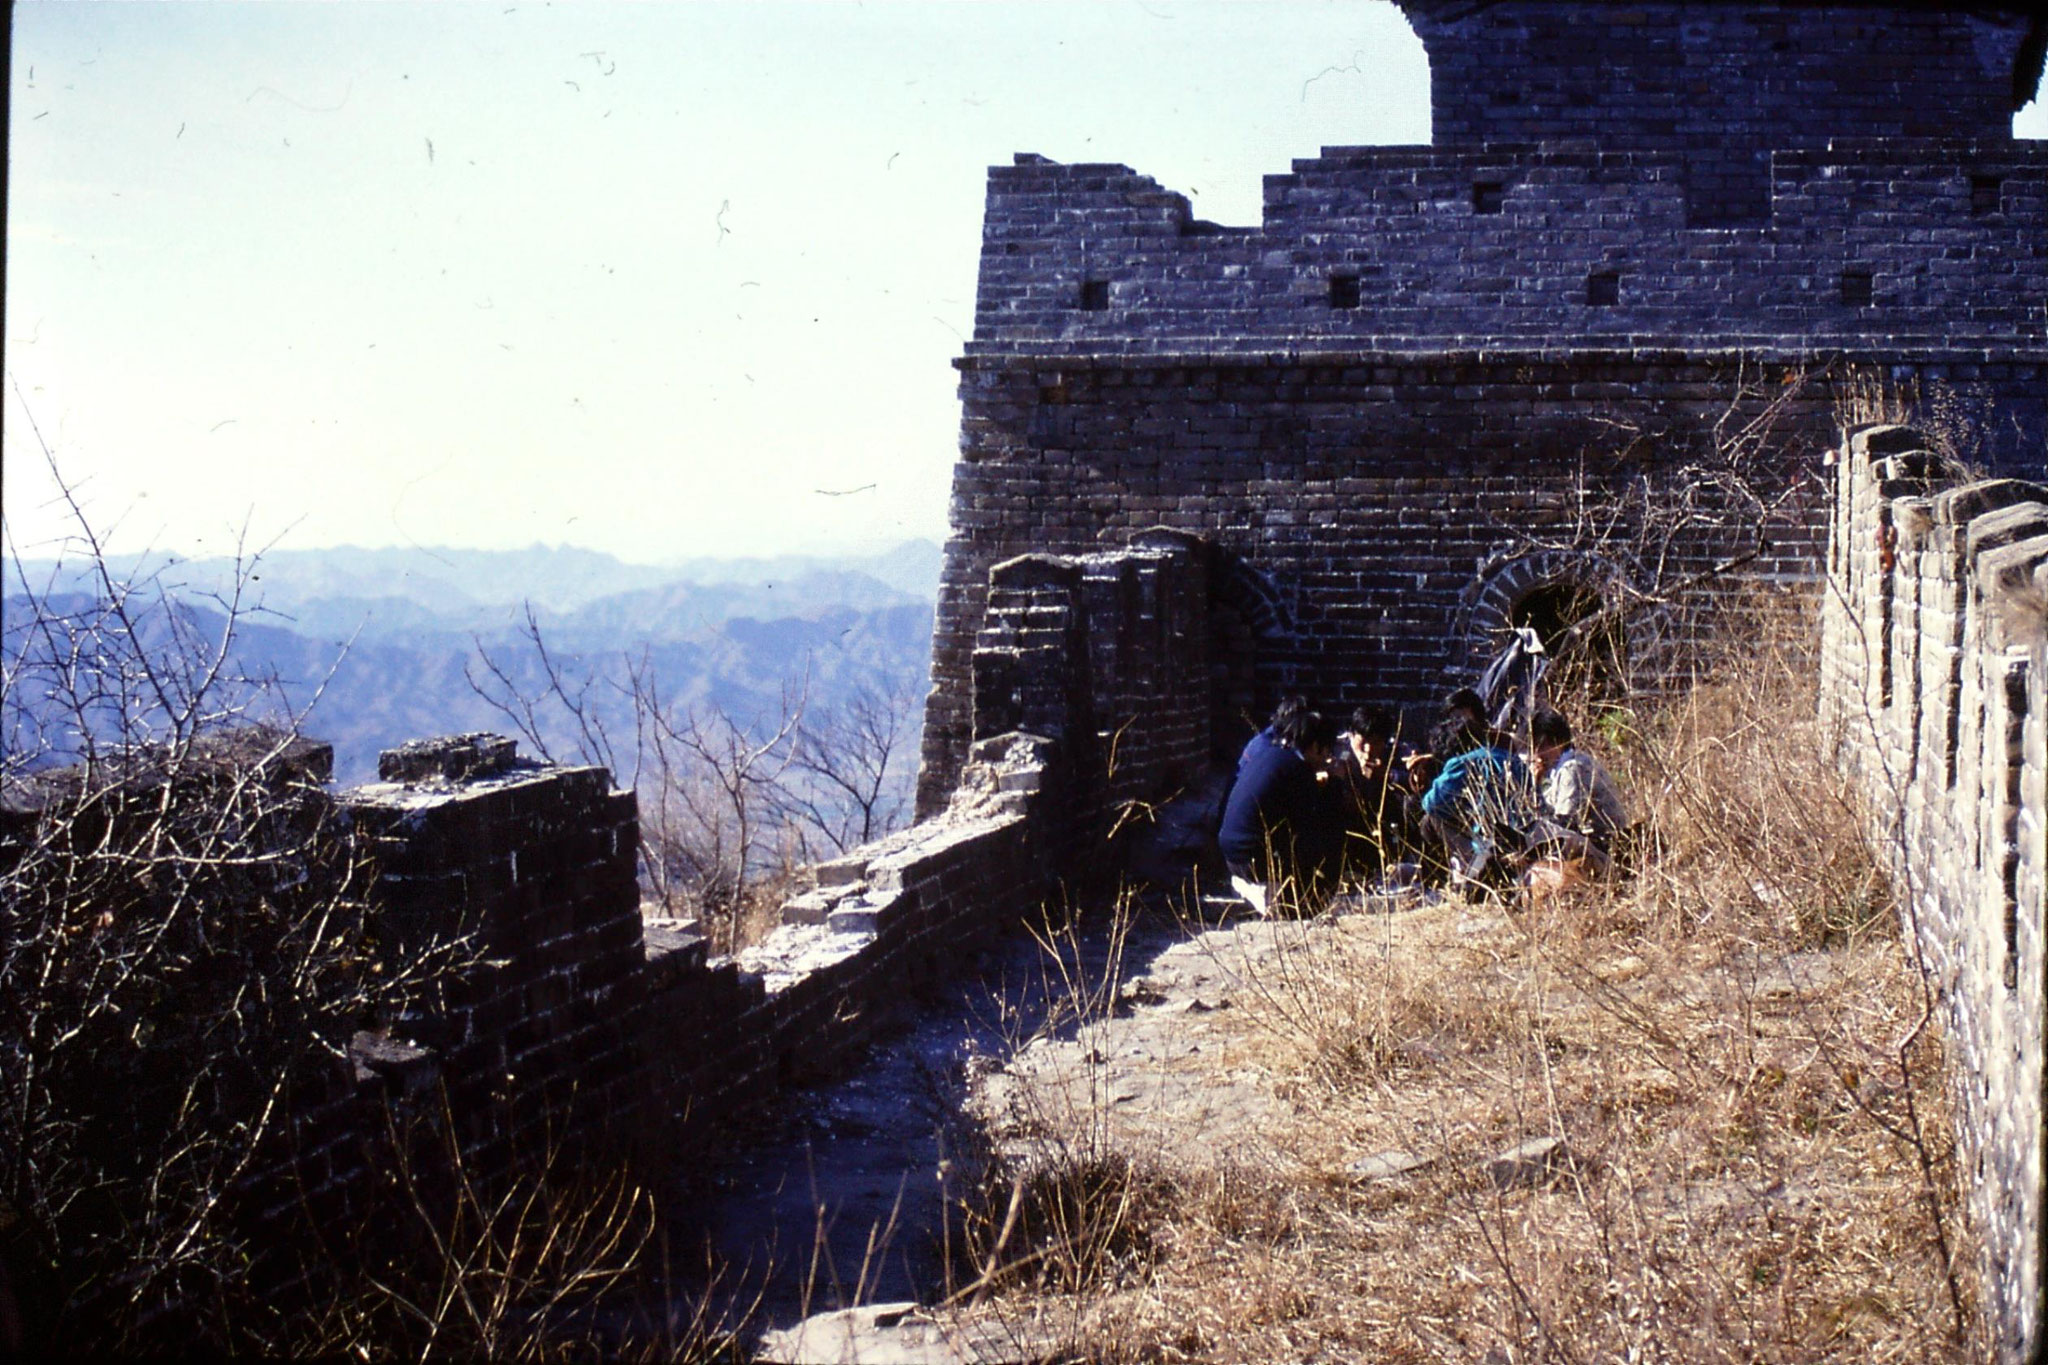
{"points": [[661, 280], [664, 280]]}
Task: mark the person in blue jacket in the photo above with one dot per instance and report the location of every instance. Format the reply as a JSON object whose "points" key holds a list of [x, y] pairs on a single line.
{"points": [[1270, 736], [1282, 835]]}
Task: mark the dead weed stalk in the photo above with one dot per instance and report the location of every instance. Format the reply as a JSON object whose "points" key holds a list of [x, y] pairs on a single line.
{"points": [[1692, 1117]]}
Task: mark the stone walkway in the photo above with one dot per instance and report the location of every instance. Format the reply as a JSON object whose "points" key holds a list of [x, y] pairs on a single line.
{"points": [[837, 1201]]}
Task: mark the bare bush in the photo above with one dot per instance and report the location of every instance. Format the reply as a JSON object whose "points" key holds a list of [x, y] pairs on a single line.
{"points": [[186, 949], [456, 1262], [189, 943], [730, 805], [845, 782], [1661, 520]]}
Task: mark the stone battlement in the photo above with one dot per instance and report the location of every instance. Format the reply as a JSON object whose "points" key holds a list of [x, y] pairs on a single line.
{"points": [[1871, 245], [1935, 685], [1723, 85]]}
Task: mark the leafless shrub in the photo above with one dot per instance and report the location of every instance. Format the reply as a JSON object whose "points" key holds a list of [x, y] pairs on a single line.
{"points": [[188, 945], [730, 805], [1662, 518], [842, 787], [549, 1259], [1957, 422], [186, 949]]}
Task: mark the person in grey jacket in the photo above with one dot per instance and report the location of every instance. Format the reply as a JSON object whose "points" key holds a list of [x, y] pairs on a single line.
{"points": [[1579, 795]]}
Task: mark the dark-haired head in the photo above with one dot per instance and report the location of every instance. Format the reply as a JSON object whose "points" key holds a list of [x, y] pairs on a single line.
{"points": [[1465, 699], [1289, 706], [1375, 723], [1549, 728], [1306, 730]]}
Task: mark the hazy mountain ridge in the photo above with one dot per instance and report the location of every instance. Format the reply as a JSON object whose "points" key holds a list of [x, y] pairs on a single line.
{"points": [[450, 583], [384, 644]]}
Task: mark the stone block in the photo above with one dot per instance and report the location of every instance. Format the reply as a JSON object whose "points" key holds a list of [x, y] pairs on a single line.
{"points": [[811, 907], [2006, 525], [452, 758]]}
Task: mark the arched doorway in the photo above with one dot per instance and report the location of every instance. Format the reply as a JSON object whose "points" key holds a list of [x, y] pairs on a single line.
{"points": [[1584, 634], [1577, 604], [1252, 639]]}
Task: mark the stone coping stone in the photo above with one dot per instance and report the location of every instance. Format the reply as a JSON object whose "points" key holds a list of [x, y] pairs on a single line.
{"points": [[673, 941], [449, 758], [426, 794], [900, 1334], [1886, 439], [1961, 506], [2006, 525], [795, 951]]}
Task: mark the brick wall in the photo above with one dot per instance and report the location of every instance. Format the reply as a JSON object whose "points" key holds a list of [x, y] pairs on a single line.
{"points": [[1935, 684], [1465, 248], [563, 1027], [569, 1025], [585, 1020], [1107, 655], [1722, 85], [1362, 513], [1418, 380]]}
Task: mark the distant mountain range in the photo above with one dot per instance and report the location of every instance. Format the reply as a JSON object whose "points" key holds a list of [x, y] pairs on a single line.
{"points": [[384, 636]]}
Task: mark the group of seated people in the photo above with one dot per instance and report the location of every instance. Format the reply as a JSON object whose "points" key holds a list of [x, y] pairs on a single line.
{"points": [[1313, 809]]}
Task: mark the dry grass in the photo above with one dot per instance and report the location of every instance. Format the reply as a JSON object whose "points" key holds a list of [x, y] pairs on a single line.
{"points": [[1754, 1160]]}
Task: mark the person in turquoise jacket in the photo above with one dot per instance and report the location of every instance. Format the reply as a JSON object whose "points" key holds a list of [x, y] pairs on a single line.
{"points": [[1482, 801]]}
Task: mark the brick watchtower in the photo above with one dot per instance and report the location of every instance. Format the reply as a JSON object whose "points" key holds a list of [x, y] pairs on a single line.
{"points": [[1387, 409]]}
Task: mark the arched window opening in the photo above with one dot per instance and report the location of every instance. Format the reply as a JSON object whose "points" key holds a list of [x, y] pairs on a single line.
{"points": [[1586, 640]]}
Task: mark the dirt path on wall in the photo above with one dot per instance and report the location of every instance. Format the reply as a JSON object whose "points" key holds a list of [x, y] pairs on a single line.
{"points": [[837, 1198], [1427, 1134]]}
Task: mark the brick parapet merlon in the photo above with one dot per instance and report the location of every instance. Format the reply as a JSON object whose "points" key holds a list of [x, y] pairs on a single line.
{"points": [[1935, 688], [1876, 242], [1719, 87]]}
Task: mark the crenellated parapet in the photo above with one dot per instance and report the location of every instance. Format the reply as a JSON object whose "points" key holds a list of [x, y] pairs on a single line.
{"points": [[1719, 86], [1871, 244], [1935, 688]]}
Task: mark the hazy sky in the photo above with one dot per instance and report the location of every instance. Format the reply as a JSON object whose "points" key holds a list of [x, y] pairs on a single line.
{"points": [[642, 278]]}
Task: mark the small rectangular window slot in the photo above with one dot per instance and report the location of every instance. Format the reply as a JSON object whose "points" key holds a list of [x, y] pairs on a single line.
{"points": [[1343, 291], [1603, 289], [1488, 196], [1987, 194], [1094, 295], [1856, 288]]}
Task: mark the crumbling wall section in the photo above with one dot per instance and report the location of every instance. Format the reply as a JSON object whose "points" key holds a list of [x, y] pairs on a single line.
{"points": [[581, 1018], [546, 1021], [1107, 655], [1935, 689], [573, 1023]]}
